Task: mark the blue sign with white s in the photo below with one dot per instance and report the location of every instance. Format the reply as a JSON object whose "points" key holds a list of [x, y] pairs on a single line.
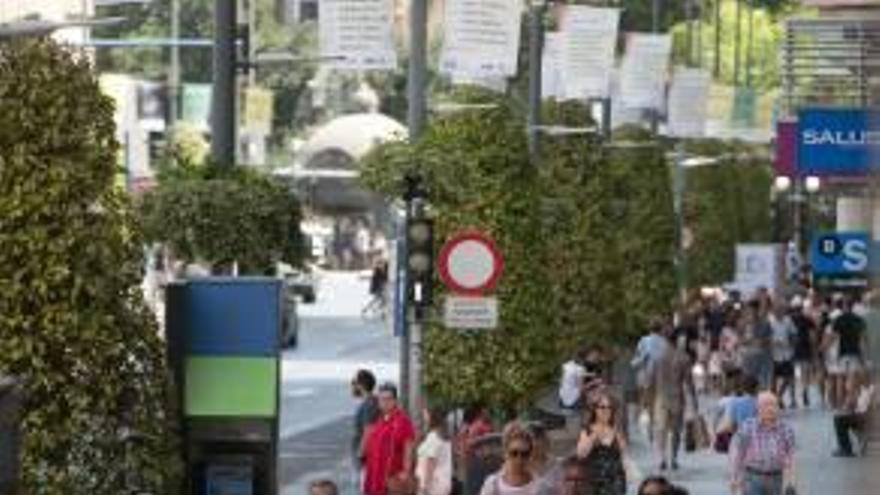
{"points": [[837, 141], [840, 253]]}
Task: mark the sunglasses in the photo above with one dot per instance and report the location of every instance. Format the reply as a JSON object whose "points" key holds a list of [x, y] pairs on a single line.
{"points": [[519, 454], [606, 407]]}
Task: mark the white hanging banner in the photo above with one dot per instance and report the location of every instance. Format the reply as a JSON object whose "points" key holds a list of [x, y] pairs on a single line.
{"points": [[590, 37], [357, 34], [481, 38], [643, 71], [552, 79], [688, 102]]}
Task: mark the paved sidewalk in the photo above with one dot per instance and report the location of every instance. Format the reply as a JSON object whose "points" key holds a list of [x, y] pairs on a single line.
{"points": [[817, 471]]}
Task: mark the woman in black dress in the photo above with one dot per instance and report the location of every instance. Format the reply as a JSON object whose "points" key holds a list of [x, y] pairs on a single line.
{"points": [[602, 448]]}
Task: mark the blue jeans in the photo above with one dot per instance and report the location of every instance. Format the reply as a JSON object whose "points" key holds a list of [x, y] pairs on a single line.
{"points": [[761, 484]]}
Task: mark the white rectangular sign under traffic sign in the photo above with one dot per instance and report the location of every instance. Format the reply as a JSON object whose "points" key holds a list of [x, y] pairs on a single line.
{"points": [[471, 312]]}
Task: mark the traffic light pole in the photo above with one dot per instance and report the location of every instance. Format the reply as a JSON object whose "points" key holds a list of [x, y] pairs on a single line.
{"points": [[411, 339], [223, 104]]}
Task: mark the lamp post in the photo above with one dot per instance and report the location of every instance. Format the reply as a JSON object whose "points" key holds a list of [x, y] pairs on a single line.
{"points": [[801, 190]]}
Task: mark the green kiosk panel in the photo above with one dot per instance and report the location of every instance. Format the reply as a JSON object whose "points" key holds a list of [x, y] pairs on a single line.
{"points": [[231, 386]]}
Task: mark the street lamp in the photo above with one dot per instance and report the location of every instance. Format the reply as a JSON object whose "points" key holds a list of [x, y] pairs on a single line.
{"points": [[782, 183], [801, 189]]}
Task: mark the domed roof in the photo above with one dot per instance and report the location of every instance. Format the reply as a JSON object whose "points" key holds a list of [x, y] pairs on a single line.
{"points": [[354, 135]]}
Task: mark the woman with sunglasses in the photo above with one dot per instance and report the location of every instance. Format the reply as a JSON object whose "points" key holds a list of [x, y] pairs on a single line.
{"points": [[602, 448], [515, 476]]}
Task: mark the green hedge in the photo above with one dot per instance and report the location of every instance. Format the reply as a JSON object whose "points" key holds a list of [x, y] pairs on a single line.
{"points": [[73, 324], [587, 239]]}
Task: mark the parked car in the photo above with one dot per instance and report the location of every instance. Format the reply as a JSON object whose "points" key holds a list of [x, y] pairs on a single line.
{"points": [[301, 282], [289, 320]]}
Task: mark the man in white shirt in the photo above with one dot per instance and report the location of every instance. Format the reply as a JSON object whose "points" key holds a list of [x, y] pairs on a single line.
{"points": [[571, 386], [855, 415]]}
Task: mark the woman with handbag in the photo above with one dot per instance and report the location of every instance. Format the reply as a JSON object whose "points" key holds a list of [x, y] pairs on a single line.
{"points": [[515, 476]]}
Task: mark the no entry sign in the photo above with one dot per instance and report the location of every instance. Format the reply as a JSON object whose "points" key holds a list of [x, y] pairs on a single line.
{"points": [[470, 263]]}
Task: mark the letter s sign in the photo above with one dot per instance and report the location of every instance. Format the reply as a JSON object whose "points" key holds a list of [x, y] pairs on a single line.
{"points": [[855, 255], [840, 254]]}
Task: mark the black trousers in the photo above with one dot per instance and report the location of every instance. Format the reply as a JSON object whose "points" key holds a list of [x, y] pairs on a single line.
{"points": [[843, 425]]}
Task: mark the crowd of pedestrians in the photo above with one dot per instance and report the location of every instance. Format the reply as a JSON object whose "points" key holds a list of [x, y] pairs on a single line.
{"points": [[714, 378]]}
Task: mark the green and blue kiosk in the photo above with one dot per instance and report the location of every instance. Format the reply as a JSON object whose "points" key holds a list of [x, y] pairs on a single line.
{"points": [[224, 338]]}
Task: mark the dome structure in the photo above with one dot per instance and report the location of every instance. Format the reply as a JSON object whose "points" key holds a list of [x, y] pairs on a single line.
{"points": [[351, 136]]}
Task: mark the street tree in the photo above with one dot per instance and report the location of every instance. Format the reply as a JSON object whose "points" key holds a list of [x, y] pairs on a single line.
{"points": [[222, 217], [98, 416], [574, 273]]}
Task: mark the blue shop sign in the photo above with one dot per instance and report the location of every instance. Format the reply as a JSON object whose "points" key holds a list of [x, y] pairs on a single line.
{"points": [[834, 142], [840, 253]]}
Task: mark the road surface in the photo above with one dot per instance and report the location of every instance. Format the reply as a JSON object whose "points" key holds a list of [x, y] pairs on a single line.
{"points": [[316, 401]]}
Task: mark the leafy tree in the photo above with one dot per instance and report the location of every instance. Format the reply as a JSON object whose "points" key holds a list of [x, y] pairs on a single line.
{"points": [[766, 33], [222, 216], [725, 204], [572, 272], [98, 417]]}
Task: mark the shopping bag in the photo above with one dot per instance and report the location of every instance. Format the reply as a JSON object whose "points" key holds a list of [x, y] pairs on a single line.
{"points": [[690, 436], [722, 441], [701, 431]]}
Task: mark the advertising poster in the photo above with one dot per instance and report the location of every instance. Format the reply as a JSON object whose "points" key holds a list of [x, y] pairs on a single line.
{"points": [[589, 38], [357, 34], [481, 38]]}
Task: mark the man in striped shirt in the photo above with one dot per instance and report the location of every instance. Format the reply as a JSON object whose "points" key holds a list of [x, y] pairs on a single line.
{"points": [[762, 452]]}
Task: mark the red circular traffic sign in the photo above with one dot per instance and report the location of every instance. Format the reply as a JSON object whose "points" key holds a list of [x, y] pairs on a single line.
{"points": [[470, 263]]}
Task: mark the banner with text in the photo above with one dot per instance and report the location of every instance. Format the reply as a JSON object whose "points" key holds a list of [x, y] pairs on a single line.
{"points": [[357, 34], [688, 102], [644, 70], [837, 141], [481, 38], [552, 78], [196, 106], [590, 37]]}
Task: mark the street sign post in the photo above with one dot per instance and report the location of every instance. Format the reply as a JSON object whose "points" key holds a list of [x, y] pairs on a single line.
{"points": [[471, 312], [470, 265]]}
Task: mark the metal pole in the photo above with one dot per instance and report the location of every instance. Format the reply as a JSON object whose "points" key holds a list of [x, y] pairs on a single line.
{"points": [[689, 42], [174, 71], [252, 38], [749, 42], [717, 58], [797, 197], [223, 102], [655, 16], [418, 62], [536, 48], [678, 185], [736, 43], [404, 314], [411, 340]]}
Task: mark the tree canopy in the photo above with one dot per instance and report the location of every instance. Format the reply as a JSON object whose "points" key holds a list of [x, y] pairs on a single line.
{"points": [[221, 215], [587, 238]]}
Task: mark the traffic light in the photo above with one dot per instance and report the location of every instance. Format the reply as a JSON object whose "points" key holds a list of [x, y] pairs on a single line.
{"points": [[420, 260]]}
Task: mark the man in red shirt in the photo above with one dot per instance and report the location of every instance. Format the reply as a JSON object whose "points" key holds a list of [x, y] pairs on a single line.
{"points": [[388, 450]]}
